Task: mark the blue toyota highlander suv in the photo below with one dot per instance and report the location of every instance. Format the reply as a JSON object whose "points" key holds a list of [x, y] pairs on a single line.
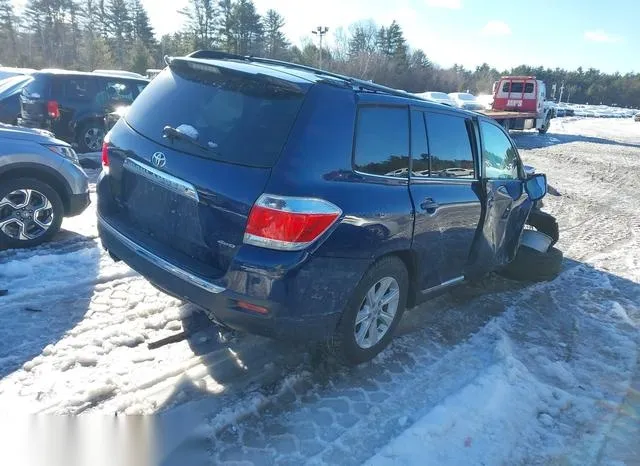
{"points": [[295, 203]]}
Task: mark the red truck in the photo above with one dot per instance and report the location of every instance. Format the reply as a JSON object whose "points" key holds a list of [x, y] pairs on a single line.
{"points": [[519, 102]]}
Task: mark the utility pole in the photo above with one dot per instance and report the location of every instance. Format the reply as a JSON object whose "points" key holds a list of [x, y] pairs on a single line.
{"points": [[320, 31]]}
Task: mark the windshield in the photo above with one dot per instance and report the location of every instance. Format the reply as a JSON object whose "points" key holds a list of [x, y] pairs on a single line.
{"points": [[242, 118], [463, 96]]}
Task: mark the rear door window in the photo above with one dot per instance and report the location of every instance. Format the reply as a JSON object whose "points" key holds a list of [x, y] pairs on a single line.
{"points": [[235, 117], [382, 141], [449, 146]]}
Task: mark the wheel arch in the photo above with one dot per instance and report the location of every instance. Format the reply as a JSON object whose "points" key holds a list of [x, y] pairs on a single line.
{"points": [[40, 173], [410, 261]]}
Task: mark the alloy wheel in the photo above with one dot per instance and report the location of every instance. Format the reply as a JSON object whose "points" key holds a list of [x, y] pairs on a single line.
{"points": [[93, 138], [25, 214], [377, 311]]}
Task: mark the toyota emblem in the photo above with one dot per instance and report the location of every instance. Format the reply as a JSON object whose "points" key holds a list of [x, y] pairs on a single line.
{"points": [[159, 160]]}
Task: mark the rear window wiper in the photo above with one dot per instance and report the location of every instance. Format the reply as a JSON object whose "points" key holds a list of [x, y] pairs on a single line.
{"points": [[188, 134]]}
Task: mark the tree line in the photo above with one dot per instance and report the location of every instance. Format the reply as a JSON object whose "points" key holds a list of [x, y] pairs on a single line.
{"points": [[117, 34]]}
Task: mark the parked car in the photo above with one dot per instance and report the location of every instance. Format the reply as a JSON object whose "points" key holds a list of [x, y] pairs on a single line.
{"points": [[278, 198], [440, 97], [40, 183], [637, 117], [10, 90], [466, 101], [73, 104]]}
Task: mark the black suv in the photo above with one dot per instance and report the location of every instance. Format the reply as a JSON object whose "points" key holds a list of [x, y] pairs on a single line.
{"points": [[73, 104]]}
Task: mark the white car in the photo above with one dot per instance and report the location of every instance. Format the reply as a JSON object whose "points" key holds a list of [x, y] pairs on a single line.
{"points": [[466, 101], [439, 97]]}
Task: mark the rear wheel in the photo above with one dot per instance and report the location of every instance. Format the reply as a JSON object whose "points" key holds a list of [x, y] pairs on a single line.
{"points": [[90, 137], [30, 213], [372, 314]]}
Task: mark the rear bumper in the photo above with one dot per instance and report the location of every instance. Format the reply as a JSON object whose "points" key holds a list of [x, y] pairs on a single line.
{"points": [[304, 303]]}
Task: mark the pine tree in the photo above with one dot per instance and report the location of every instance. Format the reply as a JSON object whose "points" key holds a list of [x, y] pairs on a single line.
{"points": [[7, 32], [248, 32], [274, 39], [226, 26], [201, 19], [142, 29], [120, 29]]}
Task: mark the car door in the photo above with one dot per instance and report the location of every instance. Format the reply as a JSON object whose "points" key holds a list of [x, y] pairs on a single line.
{"points": [[444, 190], [506, 205]]}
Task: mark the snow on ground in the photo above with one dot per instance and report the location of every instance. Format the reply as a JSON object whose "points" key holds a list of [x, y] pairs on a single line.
{"points": [[496, 372]]}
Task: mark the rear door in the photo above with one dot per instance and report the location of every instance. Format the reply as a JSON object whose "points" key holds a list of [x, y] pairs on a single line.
{"points": [[506, 205], [445, 195], [188, 198]]}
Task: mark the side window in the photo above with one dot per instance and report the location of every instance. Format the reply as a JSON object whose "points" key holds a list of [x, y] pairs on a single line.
{"points": [[79, 88], [382, 141], [528, 88], [419, 148], [505, 86], [499, 155], [449, 146], [119, 91]]}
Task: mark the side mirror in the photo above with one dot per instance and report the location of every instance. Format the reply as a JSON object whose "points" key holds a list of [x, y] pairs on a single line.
{"points": [[536, 186]]}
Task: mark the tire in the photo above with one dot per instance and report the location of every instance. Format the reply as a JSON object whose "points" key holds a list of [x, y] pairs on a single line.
{"points": [[530, 265], [38, 221], [544, 223], [90, 137], [344, 345], [545, 127]]}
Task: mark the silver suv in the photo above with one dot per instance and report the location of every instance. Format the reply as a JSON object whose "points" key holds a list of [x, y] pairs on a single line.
{"points": [[40, 183]]}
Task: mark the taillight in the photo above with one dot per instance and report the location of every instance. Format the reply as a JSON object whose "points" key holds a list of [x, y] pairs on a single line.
{"points": [[288, 223], [53, 109], [105, 157]]}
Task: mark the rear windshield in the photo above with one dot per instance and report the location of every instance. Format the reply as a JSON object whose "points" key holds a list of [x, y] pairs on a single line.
{"points": [[37, 89], [466, 97], [439, 95], [239, 118]]}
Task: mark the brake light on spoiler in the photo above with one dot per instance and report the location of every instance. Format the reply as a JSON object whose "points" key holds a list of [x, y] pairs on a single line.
{"points": [[289, 223]]}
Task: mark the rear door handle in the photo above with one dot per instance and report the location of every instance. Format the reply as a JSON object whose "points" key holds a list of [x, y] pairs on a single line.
{"points": [[429, 205]]}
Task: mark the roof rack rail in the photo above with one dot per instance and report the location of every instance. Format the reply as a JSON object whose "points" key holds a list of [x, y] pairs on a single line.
{"points": [[355, 82], [360, 84]]}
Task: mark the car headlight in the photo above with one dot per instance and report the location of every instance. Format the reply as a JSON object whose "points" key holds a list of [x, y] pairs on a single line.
{"points": [[64, 151]]}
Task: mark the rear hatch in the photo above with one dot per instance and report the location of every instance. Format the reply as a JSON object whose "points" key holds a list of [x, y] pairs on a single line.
{"points": [[192, 155], [34, 97]]}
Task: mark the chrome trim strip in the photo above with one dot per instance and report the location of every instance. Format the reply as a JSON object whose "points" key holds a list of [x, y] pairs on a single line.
{"points": [[448, 283], [161, 178], [160, 262]]}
